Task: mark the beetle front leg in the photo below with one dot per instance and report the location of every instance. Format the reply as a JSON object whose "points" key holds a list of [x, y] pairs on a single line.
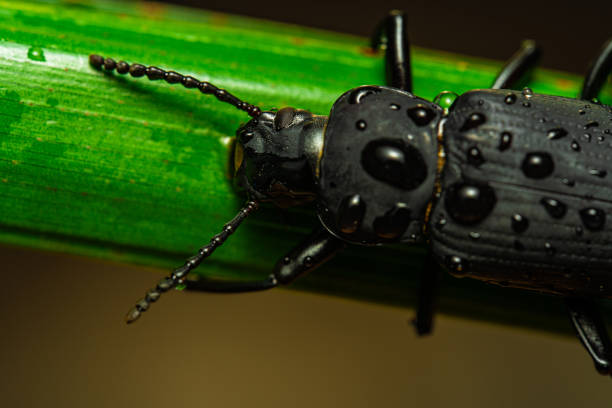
{"points": [[392, 35], [311, 253], [591, 331]]}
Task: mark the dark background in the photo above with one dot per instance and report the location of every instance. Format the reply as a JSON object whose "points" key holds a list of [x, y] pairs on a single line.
{"points": [[570, 32]]}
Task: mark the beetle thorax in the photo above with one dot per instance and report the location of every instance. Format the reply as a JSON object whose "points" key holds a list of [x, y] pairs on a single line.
{"points": [[379, 165]]}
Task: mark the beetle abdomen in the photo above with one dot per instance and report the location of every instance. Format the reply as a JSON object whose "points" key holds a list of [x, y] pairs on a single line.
{"points": [[527, 192]]}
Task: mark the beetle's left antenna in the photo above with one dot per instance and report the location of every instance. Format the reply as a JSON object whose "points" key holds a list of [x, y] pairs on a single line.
{"points": [[171, 77], [179, 274]]}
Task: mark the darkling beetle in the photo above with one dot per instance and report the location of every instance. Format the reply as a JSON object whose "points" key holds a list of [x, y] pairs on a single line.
{"points": [[505, 186]]}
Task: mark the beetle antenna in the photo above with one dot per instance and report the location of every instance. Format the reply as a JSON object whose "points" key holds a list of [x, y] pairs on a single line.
{"points": [[178, 275], [171, 77]]}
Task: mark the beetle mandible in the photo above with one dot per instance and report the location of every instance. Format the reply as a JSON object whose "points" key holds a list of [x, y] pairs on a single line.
{"points": [[505, 186]]}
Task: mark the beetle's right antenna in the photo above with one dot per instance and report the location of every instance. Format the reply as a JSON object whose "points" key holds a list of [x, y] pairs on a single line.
{"points": [[171, 77], [179, 274]]}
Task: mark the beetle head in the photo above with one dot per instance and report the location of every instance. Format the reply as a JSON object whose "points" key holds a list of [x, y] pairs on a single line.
{"points": [[275, 156]]}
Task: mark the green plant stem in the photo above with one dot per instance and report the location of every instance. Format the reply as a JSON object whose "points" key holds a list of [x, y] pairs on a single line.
{"points": [[136, 171]]}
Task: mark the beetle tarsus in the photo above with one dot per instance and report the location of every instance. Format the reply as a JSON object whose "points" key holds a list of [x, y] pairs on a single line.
{"points": [[591, 330], [229, 286]]}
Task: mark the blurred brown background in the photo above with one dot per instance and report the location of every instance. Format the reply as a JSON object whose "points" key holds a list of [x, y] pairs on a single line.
{"points": [[64, 343]]}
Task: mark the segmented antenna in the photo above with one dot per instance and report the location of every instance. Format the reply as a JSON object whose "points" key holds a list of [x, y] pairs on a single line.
{"points": [[171, 77], [179, 274]]}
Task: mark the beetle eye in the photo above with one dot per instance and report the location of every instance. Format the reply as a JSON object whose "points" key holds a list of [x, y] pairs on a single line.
{"points": [[283, 118], [245, 137]]}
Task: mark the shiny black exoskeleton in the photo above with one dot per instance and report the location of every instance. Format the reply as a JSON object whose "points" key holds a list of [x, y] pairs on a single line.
{"points": [[505, 186]]}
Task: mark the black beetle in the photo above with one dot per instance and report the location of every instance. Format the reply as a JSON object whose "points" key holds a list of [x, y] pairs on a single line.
{"points": [[505, 186]]}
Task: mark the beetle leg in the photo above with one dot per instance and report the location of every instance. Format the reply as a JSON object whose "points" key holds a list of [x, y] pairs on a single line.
{"points": [[426, 306], [311, 253], [391, 34], [597, 73], [520, 64], [591, 331]]}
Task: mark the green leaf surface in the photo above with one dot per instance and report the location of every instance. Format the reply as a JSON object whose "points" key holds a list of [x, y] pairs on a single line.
{"points": [[136, 171]]}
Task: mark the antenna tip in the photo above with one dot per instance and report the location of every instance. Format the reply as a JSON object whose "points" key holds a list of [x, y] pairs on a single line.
{"points": [[132, 315]]}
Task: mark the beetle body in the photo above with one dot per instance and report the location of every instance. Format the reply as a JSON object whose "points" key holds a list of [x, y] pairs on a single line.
{"points": [[507, 187]]}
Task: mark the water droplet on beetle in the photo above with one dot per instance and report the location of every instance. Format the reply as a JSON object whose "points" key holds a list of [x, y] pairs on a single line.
{"points": [[579, 231], [394, 162], [440, 224], [421, 115], [538, 165], [505, 141], [394, 106], [472, 121], [575, 146], [527, 92], [456, 265], [550, 250], [510, 99], [581, 111], [350, 213], [591, 124], [519, 223], [558, 133], [286, 260], [394, 223], [474, 157], [474, 235], [568, 182], [598, 173], [469, 204], [600, 139], [359, 94], [445, 99], [527, 104], [554, 208], [593, 219], [361, 124], [307, 262], [587, 137]]}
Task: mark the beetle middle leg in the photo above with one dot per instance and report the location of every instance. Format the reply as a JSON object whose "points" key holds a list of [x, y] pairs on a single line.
{"points": [[314, 251], [391, 34], [518, 66], [427, 297]]}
